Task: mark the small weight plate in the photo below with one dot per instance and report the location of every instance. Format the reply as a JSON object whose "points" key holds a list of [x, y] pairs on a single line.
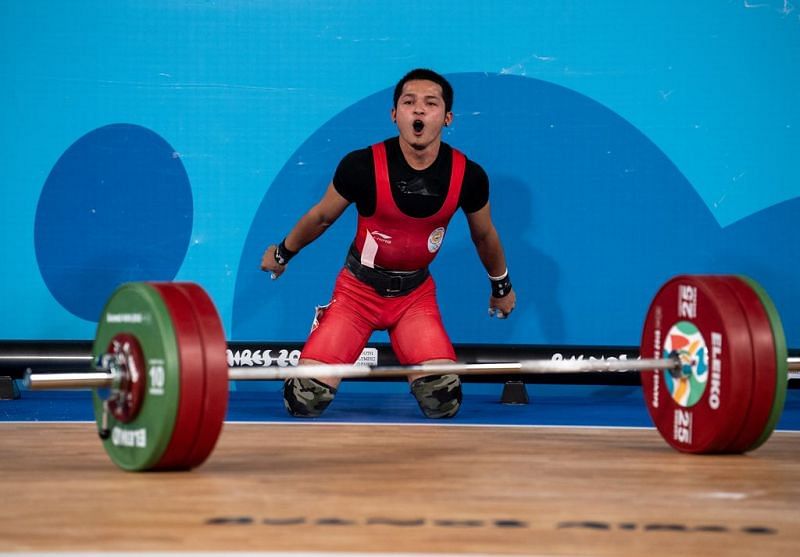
{"points": [[137, 309]]}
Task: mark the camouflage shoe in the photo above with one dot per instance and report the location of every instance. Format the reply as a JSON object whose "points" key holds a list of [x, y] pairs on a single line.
{"points": [[439, 396], [306, 398]]}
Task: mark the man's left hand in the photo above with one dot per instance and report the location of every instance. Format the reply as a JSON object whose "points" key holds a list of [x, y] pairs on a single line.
{"points": [[502, 307]]}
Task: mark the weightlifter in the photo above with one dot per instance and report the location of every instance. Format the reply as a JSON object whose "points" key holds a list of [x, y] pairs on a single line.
{"points": [[406, 190]]}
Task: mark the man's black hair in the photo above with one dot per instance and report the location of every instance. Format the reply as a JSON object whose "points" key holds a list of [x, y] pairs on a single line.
{"points": [[428, 75]]}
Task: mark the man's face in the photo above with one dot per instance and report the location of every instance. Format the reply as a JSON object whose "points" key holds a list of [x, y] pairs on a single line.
{"points": [[420, 113]]}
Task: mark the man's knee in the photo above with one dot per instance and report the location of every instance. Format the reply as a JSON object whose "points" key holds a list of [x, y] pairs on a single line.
{"points": [[439, 396], [306, 398]]}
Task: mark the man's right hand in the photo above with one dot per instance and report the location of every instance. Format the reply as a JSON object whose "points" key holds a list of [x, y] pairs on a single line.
{"points": [[270, 265]]}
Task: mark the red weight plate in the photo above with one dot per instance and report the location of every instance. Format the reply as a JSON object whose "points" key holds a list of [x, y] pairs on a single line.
{"points": [[193, 379], [780, 357], [701, 408], [765, 371], [216, 364]]}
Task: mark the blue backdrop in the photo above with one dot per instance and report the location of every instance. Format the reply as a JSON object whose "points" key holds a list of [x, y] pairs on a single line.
{"points": [[625, 143]]}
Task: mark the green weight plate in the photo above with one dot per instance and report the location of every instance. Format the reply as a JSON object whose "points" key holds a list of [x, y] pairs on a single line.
{"points": [[216, 364], [138, 310], [193, 378], [764, 364], [781, 354]]}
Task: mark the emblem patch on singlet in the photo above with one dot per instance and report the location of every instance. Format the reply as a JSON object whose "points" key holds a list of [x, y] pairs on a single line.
{"points": [[435, 240]]}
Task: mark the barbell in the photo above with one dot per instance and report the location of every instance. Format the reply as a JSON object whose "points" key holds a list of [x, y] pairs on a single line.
{"points": [[713, 364]]}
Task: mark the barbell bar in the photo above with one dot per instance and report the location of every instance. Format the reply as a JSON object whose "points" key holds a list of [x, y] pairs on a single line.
{"points": [[715, 382], [107, 379]]}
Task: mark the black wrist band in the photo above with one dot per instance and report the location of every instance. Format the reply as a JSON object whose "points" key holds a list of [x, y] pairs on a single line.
{"points": [[283, 254], [500, 287]]}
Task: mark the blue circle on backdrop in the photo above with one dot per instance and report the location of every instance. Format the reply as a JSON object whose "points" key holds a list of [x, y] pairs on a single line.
{"points": [[116, 207]]}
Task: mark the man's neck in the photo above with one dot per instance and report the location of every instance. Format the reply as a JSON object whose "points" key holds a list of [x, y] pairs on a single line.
{"points": [[420, 159]]}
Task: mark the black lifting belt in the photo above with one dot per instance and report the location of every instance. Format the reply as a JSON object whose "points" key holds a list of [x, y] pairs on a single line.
{"points": [[386, 283]]}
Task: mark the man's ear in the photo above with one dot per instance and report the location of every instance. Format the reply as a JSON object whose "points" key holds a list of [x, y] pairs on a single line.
{"points": [[394, 116]]}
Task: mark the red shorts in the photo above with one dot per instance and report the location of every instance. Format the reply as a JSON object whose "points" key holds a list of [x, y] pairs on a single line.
{"points": [[342, 328]]}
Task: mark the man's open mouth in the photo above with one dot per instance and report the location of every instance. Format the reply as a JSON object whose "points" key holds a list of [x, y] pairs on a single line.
{"points": [[418, 125]]}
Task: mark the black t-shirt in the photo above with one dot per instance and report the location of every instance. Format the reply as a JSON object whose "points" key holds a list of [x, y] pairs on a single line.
{"points": [[417, 193]]}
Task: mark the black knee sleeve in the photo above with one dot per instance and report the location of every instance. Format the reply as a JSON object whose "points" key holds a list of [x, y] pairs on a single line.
{"points": [[439, 396], [306, 398]]}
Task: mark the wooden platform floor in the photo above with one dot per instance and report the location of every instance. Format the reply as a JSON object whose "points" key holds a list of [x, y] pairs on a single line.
{"points": [[403, 489]]}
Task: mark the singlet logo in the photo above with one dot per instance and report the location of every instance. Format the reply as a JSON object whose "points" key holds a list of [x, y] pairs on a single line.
{"points": [[318, 313], [435, 240], [381, 237]]}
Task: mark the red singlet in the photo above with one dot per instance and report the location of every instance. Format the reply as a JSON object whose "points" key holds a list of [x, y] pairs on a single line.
{"points": [[392, 240]]}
